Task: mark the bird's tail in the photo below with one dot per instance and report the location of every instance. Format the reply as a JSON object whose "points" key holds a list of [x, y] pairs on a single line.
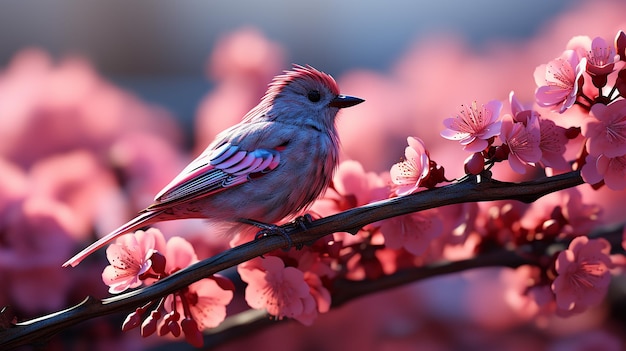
{"points": [[140, 221]]}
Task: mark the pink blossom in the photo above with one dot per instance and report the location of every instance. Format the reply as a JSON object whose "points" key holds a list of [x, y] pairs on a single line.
{"points": [[281, 290], [408, 174], [129, 258], [562, 213], [552, 145], [66, 105], [553, 139], [321, 296], [558, 81], [205, 300], [605, 130], [600, 61], [610, 169], [88, 180], [474, 125], [413, 232], [523, 142], [241, 63], [352, 186], [35, 234], [583, 275]]}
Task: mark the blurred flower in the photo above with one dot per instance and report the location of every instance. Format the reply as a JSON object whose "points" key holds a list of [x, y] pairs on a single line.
{"points": [[413, 232], [66, 106], [522, 140], [605, 129], [351, 187], [474, 125], [81, 189], [35, 236], [562, 213], [408, 174], [583, 274], [558, 81], [242, 63]]}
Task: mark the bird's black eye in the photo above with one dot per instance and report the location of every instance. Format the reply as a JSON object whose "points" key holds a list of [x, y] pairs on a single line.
{"points": [[314, 96]]}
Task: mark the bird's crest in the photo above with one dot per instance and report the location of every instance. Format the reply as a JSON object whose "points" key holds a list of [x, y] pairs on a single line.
{"points": [[301, 72]]}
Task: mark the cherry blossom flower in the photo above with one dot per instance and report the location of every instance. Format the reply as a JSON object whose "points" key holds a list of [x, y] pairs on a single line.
{"points": [[553, 139], [552, 145], [142, 257], [321, 296], [562, 213], [281, 290], [352, 186], [203, 301], [558, 81], [129, 258], [413, 232], [600, 61], [474, 125], [583, 275], [523, 142], [610, 169], [408, 174], [200, 305], [605, 130]]}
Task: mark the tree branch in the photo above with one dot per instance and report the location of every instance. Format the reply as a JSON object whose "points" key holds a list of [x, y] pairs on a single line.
{"points": [[252, 321], [469, 190]]}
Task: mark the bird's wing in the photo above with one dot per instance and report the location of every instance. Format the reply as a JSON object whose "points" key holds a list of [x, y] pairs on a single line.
{"points": [[214, 171]]}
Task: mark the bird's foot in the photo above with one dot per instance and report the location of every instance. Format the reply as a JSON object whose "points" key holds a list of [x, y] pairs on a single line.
{"points": [[283, 230]]}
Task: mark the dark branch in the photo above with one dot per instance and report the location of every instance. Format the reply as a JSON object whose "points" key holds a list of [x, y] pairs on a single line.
{"points": [[352, 220]]}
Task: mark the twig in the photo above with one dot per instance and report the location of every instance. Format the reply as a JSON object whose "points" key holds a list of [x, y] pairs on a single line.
{"points": [[470, 190]]}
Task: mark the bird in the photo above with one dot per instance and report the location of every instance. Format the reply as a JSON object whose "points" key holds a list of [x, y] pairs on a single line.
{"points": [[271, 165]]}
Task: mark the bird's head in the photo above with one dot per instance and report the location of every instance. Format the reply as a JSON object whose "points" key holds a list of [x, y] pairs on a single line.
{"points": [[305, 96]]}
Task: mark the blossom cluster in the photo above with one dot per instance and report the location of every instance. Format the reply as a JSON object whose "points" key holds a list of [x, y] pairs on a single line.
{"points": [[144, 257], [586, 84]]}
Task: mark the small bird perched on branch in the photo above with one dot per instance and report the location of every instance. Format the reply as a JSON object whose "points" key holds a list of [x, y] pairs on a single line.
{"points": [[271, 165]]}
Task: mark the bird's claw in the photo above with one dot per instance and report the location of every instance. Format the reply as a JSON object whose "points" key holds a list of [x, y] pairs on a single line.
{"points": [[272, 229]]}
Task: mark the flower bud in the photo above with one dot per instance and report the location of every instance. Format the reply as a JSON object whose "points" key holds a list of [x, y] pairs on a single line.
{"points": [[502, 153], [192, 334], [133, 320], [474, 164], [149, 325], [158, 262]]}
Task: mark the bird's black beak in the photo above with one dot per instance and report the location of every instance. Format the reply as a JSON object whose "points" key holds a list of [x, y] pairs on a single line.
{"points": [[342, 101]]}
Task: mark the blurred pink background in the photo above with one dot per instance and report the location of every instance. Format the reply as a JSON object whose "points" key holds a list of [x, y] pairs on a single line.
{"points": [[102, 103]]}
